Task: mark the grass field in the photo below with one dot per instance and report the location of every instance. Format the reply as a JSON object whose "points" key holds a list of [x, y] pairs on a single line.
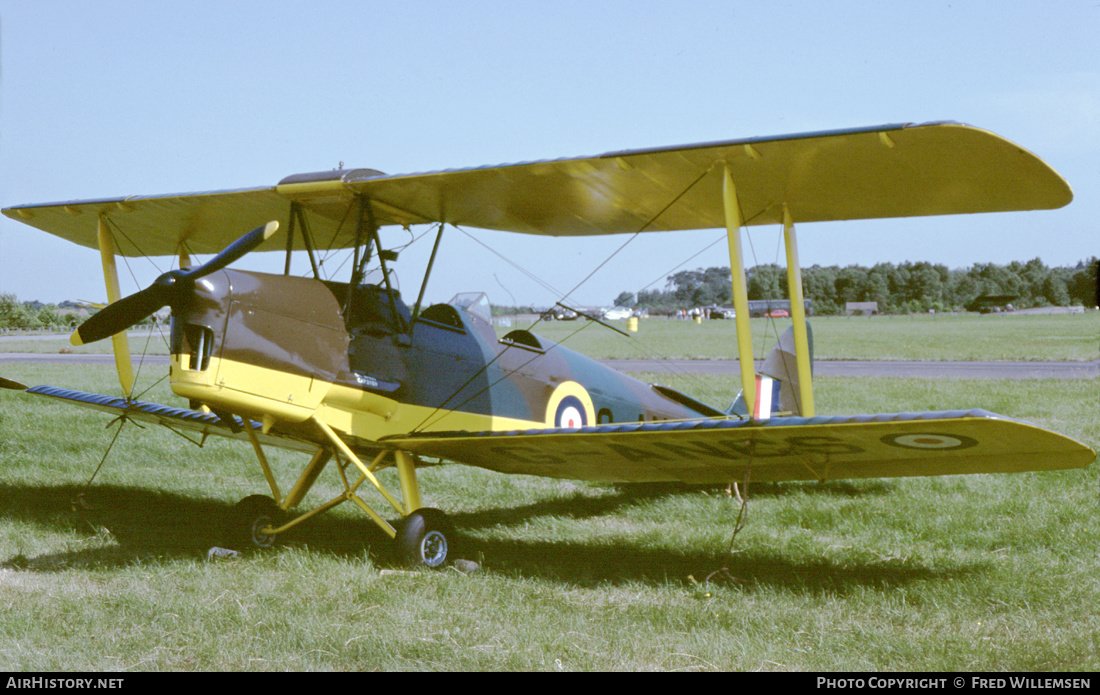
{"points": [[1073, 337], [968, 573]]}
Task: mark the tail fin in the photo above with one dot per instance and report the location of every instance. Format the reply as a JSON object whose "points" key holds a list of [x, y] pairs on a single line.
{"points": [[776, 381]]}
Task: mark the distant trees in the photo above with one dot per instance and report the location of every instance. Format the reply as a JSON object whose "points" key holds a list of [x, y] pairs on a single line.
{"points": [[902, 288], [626, 299], [16, 314]]}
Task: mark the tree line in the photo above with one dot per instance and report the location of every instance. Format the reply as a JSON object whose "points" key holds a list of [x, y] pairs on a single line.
{"points": [[17, 314], [898, 289]]}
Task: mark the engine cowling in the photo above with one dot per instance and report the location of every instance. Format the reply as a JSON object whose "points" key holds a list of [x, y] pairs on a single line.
{"points": [[256, 344]]}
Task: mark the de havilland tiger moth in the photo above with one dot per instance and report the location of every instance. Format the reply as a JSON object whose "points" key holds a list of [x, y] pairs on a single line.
{"points": [[349, 373]]}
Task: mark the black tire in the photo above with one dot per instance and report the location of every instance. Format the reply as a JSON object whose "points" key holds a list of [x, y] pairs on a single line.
{"points": [[243, 523], [425, 538]]}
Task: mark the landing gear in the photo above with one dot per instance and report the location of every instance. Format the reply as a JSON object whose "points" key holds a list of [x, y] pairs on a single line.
{"points": [[244, 524], [424, 537]]}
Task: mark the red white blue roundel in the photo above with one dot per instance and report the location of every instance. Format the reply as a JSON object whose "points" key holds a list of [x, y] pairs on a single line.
{"points": [[570, 407], [570, 413], [930, 441]]}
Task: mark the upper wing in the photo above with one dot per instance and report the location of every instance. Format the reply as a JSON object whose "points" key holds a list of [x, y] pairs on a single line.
{"points": [[878, 172], [162, 225], [778, 449], [881, 172]]}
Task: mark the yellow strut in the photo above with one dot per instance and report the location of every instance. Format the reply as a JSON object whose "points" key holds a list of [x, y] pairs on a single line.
{"points": [[121, 343], [406, 472], [798, 317], [263, 459], [350, 455], [740, 292]]}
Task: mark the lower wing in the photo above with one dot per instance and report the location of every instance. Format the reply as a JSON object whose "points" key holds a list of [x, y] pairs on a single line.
{"points": [[777, 449], [698, 451], [178, 419]]}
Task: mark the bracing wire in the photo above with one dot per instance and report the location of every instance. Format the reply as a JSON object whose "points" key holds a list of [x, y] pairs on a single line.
{"points": [[588, 277], [564, 339], [723, 570], [742, 495]]}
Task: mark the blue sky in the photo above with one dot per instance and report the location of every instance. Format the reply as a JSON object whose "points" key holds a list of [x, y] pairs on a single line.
{"points": [[108, 98]]}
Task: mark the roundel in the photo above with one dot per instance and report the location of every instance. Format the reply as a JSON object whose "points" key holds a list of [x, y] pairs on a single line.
{"points": [[570, 407], [930, 440]]}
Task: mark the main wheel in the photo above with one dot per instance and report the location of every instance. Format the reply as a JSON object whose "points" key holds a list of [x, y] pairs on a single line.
{"points": [[425, 537], [244, 524]]}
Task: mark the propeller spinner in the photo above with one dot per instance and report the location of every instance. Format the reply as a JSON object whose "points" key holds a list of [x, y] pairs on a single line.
{"points": [[166, 290]]}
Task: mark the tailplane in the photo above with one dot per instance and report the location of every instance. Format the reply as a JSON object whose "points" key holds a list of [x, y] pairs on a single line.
{"points": [[776, 381]]}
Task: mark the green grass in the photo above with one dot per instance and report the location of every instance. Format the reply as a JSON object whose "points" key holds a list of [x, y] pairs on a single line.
{"points": [[1072, 337], [938, 574], [148, 342], [968, 337]]}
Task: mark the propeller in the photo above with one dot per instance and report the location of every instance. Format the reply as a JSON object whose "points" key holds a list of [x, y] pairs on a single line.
{"points": [[166, 290]]}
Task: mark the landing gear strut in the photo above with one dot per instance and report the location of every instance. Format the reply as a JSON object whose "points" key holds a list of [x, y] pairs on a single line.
{"points": [[423, 536]]}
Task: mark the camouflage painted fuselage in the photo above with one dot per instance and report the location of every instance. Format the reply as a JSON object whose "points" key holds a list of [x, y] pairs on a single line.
{"points": [[291, 349]]}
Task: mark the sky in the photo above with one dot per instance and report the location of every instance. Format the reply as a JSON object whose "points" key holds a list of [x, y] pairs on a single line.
{"points": [[114, 98]]}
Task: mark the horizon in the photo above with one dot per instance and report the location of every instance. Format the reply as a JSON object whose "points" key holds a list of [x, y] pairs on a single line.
{"points": [[1086, 262], [119, 97]]}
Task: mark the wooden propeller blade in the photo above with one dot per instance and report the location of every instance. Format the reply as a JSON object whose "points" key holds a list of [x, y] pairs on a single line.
{"points": [[164, 291]]}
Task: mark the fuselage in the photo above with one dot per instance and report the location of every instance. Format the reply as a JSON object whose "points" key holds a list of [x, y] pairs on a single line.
{"points": [[287, 349]]}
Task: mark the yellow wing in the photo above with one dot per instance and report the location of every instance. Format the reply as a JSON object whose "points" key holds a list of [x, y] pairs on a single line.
{"points": [[161, 225], [878, 172], [779, 449]]}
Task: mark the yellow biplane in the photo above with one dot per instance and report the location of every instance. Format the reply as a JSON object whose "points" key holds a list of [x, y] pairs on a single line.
{"points": [[349, 372]]}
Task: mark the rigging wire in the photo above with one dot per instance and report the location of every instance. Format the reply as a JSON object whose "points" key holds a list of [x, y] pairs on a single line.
{"points": [[504, 375], [588, 277], [78, 503], [670, 366], [742, 495], [330, 250], [641, 229], [536, 279], [113, 228], [742, 521]]}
